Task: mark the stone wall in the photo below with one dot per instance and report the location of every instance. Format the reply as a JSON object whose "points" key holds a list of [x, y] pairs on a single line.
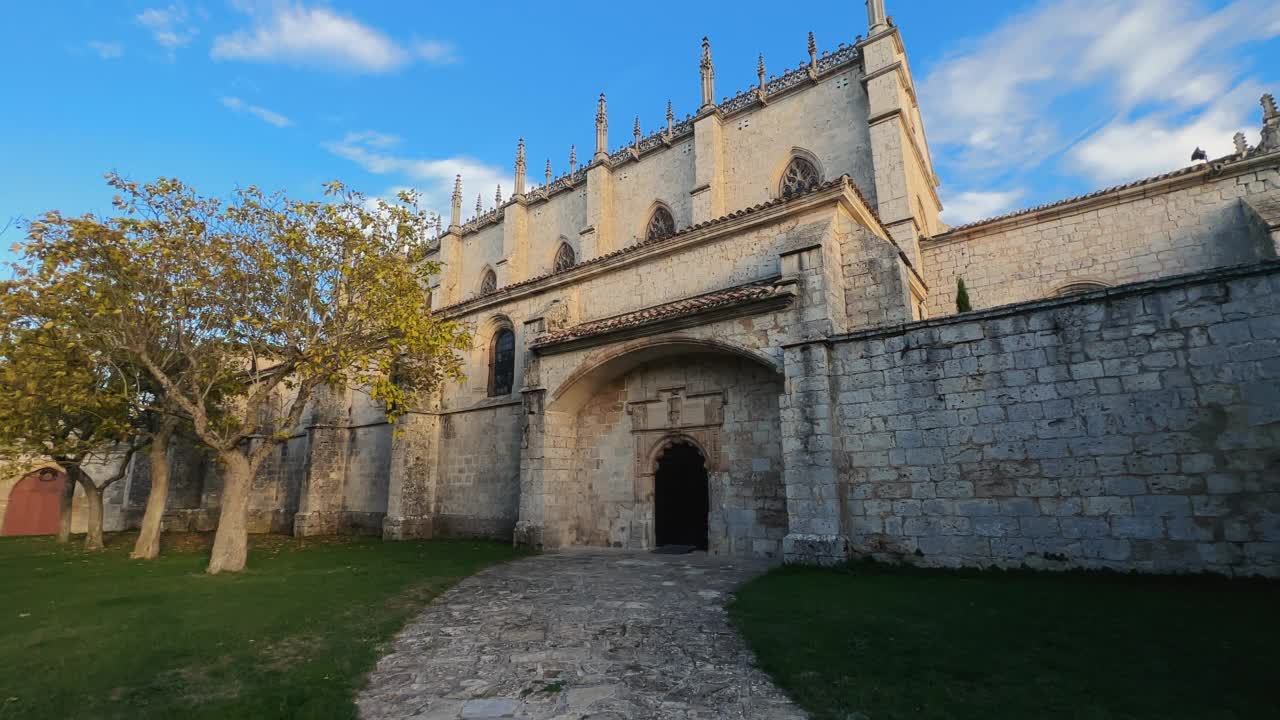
{"points": [[1193, 222], [478, 488], [1131, 428]]}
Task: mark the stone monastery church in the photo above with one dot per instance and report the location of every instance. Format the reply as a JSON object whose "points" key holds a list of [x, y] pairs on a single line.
{"points": [[741, 334]]}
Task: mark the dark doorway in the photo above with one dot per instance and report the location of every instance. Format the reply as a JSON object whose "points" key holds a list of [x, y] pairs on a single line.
{"points": [[681, 501]]}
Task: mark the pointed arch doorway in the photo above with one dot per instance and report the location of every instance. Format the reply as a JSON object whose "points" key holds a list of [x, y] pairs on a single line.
{"points": [[681, 497]]}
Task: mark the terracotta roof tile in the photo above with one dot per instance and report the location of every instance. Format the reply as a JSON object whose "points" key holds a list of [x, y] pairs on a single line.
{"points": [[665, 311]]}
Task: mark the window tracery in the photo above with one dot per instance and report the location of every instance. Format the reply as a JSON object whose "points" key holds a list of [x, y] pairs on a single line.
{"points": [[800, 176], [661, 224]]}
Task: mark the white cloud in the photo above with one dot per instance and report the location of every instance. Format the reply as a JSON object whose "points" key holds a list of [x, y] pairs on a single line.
{"points": [[170, 26], [373, 151], [295, 34], [261, 113], [437, 53], [106, 50], [966, 207], [996, 106], [1130, 149]]}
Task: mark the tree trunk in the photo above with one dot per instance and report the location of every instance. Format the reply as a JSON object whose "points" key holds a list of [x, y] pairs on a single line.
{"points": [[93, 516], [231, 542], [67, 502], [148, 545]]}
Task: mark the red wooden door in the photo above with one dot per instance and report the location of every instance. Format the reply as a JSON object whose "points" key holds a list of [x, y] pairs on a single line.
{"points": [[33, 504]]}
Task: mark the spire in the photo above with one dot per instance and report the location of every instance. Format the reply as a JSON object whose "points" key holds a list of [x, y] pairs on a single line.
{"points": [[671, 117], [876, 19], [455, 212], [635, 132], [479, 205], [813, 52], [760, 72], [439, 225], [548, 174], [602, 130], [708, 76], [497, 196], [573, 158], [520, 168]]}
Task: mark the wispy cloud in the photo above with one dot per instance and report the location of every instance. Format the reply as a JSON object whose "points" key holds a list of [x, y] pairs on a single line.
{"points": [[170, 26], [106, 50], [375, 152], [1011, 100], [320, 37], [269, 116], [975, 205], [436, 52]]}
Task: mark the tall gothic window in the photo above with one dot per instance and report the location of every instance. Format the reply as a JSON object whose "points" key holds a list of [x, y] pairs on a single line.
{"points": [[800, 176], [564, 257], [489, 282], [502, 362], [661, 224]]}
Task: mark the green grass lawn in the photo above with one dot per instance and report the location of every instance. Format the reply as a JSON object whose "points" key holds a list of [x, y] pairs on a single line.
{"points": [[880, 643], [96, 635]]}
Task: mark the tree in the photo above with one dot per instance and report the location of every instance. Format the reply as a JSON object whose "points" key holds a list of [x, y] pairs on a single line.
{"points": [[68, 403], [240, 310], [163, 427], [962, 297]]}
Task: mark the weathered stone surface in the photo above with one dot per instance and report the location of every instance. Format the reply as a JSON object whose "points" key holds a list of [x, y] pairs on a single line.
{"points": [[579, 634]]}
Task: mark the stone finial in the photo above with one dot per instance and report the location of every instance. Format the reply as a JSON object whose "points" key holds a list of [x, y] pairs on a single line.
{"points": [[1270, 125], [813, 52], [760, 71], [671, 118], [573, 158], [1242, 147], [497, 196], [548, 173], [479, 205], [708, 76], [635, 132], [876, 19], [602, 129], [439, 225], [520, 168], [455, 213]]}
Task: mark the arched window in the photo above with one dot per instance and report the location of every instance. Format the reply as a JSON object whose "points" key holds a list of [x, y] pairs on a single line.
{"points": [[1076, 288], [661, 224], [800, 176], [489, 282], [564, 257], [502, 362]]}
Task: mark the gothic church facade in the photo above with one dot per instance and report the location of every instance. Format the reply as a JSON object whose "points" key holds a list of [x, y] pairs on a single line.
{"points": [[740, 333]]}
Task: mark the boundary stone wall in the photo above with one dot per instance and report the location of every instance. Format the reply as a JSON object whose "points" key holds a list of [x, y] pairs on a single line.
{"points": [[1133, 428]]}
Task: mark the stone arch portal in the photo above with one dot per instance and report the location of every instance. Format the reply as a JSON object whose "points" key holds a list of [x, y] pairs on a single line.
{"points": [[599, 449]]}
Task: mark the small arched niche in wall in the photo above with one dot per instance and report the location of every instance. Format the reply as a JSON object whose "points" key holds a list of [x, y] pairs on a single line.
{"points": [[1079, 286], [488, 281]]}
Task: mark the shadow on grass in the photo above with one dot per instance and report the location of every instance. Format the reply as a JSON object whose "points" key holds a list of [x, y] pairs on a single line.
{"points": [[881, 642], [99, 635]]}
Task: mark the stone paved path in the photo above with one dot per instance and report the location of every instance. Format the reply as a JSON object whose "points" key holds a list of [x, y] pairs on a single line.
{"points": [[579, 634]]}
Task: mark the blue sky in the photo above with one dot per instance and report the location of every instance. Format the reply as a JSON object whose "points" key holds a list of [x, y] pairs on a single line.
{"points": [[1024, 101]]}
